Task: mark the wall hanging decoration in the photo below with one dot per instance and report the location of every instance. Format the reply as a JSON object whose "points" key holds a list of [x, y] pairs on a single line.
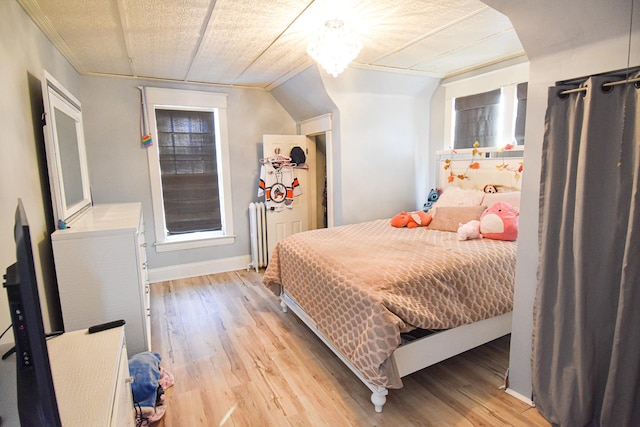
{"points": [[147, 141]]}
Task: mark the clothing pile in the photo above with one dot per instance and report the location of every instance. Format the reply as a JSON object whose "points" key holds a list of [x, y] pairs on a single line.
{"points": [[150, 381]]}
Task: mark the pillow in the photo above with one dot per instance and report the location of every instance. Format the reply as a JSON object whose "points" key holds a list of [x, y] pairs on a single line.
{"points": [[511, 197], [500, 222], [454, 196], [448, 218]]}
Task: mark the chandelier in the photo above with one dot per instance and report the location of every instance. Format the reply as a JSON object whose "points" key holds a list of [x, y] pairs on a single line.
{"points": [[334, 47]]}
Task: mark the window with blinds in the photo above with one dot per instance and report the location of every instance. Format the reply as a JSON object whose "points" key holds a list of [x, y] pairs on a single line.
{"points": [[494, 118], [521, 112], [478, 119], [188, 165]]}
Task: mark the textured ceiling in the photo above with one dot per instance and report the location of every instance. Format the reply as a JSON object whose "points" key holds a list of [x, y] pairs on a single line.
{"points": [[262, 43]]}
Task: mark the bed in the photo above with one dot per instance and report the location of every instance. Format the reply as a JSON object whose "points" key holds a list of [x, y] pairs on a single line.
{"points": [[390, 301]]}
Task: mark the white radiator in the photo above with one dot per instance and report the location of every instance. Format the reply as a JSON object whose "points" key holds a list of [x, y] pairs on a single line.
{"points": [[258, 229]]}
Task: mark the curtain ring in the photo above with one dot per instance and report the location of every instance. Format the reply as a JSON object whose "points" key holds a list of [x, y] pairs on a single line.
{"points": [[606, 89]]}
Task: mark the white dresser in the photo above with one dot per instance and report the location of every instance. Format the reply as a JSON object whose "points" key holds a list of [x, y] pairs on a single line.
{"points": [[101, 269], [91, 378]]}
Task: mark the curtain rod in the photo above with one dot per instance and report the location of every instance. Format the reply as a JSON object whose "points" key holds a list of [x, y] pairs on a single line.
{"points": [[608, 84]]}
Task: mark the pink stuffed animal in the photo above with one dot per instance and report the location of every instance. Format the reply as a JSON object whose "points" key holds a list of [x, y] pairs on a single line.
{"points": [[500, 222], [470, 230]]}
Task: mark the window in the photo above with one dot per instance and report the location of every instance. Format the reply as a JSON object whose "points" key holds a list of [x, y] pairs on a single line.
{"points": [[477, 119], [187, 154], [189, 167], [521, 112], [489, 107], [494, 118]]}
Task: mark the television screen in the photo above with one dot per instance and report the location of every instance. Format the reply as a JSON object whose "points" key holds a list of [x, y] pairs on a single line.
{"points": [[36, 396]]}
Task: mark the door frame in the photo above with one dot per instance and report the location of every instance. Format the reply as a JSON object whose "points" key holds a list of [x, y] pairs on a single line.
{"points": [[317, 126]]}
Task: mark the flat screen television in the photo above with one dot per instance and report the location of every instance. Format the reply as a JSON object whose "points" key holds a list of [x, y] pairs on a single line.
{"points": [[37, 405]]}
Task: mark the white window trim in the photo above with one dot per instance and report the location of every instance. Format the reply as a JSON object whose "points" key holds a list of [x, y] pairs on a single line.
{"points": [[192, 100], [506, 78]]}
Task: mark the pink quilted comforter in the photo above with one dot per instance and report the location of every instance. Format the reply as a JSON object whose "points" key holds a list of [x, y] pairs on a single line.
{"points": [[366, 283]]}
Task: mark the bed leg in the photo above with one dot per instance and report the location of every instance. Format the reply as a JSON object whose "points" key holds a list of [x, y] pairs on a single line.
{"points": [[283, 305], [379, 398]]}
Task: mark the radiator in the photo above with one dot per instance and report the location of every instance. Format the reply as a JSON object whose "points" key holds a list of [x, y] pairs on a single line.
{"points": [[258, 231]]}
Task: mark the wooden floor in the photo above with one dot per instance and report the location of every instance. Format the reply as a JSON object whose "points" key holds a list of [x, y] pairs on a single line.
{"points": [[238, 360]]}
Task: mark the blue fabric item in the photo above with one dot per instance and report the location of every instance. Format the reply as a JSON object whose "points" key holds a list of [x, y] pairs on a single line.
{"points": [[145, 369], [431, 199]]}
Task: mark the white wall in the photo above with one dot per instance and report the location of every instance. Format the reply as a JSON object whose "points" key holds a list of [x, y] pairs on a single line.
{"points": [[477, 81], [384, 132], [380, 136], [579, 38], [304, 97], [545, 71], [118, 162], [24, 53]]}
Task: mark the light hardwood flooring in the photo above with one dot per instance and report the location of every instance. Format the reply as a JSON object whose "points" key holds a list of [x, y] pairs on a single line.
{"points": [[238, 360]]}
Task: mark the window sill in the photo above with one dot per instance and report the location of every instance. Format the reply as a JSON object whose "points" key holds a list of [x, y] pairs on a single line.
{"points": [[193, 243]]}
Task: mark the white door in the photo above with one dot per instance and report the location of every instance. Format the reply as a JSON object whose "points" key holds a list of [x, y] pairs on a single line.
{"points": [[286, 222]]}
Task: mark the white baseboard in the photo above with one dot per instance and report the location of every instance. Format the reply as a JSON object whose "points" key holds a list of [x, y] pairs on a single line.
{"points": [[520, 397], [182, 271]]}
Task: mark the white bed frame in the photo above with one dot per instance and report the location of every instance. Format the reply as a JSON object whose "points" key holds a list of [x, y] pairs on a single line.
{"points": [[420, 353], [439, 346]]}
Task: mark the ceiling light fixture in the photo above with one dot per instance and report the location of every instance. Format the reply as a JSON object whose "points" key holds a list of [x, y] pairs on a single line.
{"points": [[334, 47]]}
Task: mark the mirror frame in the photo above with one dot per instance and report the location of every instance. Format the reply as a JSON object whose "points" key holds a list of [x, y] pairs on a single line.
{"points": [[57, 98]]}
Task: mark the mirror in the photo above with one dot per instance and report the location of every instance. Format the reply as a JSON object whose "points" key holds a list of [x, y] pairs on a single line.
{"points": [[66, 156]]}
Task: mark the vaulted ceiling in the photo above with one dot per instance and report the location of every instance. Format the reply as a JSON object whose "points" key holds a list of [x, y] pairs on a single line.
{"points": [[262, 43]]}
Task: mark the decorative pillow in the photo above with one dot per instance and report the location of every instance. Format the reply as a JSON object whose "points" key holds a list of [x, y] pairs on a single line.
{"points": [[499, 222], [454, 196], [511, 197], [449, 218]]}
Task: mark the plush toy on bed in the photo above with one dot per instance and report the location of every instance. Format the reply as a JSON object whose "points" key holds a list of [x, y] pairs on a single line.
{"points": [[490, 188], [500, 222], [469, 230], [411, 219], [493, 188], [431, 199]]}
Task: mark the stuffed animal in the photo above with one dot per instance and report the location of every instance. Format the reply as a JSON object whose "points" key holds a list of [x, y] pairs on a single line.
{"points": [[494, 188], [500, 222], [411, 219], [470, 230], [490, 188], [400, 220], [431, 199]]}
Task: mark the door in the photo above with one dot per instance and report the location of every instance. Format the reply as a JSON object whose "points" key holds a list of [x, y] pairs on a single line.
{"points": [[286, 222]]}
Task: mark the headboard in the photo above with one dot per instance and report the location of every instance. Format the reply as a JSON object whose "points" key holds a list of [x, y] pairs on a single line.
{"points": [[502, 168]]}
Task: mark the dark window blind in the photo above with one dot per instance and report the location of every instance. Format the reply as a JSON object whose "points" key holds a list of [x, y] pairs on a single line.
{"points": [[521, 114], [477, 119], [188, 165]]}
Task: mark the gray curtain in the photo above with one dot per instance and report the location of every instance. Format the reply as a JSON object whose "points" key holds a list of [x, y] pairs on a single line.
{"points": [[586, 341]]}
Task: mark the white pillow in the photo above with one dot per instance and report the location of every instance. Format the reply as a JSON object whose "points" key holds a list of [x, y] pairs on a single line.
{"points": [[454, 196], [511, 197]]}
